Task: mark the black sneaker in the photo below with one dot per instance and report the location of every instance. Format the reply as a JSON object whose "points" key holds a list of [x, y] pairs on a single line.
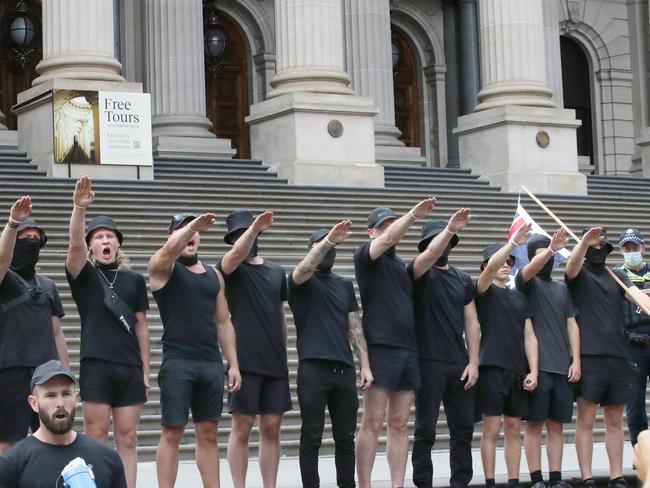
{"points": [[589, 483], [559, 484], [539, 484], [618, 483]]}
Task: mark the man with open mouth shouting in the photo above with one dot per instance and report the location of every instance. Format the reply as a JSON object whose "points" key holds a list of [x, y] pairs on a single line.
{"points": [[112, 303]]}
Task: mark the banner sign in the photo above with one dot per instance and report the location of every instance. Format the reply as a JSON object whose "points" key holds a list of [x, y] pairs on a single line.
{"points": [[99, 127]]}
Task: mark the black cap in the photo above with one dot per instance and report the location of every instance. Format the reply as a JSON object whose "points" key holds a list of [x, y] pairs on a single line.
{"points": [[490, 251], [180, 219], [432, 229], [46, 371], [317, 236], [380, 215], [102, 222], [537, 241], [30, 223], [631, 235], [603, 236], [236, 221]]}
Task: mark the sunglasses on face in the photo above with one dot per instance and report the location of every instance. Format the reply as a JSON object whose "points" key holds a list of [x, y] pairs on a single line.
{"points": [[510, 262]]}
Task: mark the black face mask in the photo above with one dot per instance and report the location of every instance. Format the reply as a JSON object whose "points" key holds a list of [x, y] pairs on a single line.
{"points": [[545, 272], [325, 266], [107, 267], [254, 250], [188, 260], [26, 252], [595, 258], [443, 260]]}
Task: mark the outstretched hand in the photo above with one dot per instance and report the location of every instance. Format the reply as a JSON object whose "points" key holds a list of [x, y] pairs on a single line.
{"points": [[202, 222], [21, 209], [559, 240], [522, 234], [340, 232], [83, 192], [592, 236], [459, 220], [424, 208], [263, 222]]}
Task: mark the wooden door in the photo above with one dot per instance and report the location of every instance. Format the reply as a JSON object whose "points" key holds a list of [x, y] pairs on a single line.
{"points": [[406, 92]]}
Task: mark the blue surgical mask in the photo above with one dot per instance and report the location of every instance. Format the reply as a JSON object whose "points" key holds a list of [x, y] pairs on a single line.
{"points": [[633, 259]]}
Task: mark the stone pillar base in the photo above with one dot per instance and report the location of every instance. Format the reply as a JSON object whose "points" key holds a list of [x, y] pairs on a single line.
{"points": [[317, 139], [502, 144], [399, 156], [195, 146], [36, 130], [8, 139]]}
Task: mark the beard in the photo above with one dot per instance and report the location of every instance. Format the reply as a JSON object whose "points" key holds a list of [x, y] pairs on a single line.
{"points": [[57, 426]]}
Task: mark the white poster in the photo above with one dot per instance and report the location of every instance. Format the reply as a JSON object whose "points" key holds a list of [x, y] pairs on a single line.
{"points": [[125, 128]]}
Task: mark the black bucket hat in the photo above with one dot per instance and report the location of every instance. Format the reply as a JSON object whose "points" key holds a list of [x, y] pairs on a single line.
{"points": [[603, 236], [380, 215], [432, 229], [537, 241], [178, 220], [490, 251], [30, 223], [102, 222], [317, 236], [236, 221]]}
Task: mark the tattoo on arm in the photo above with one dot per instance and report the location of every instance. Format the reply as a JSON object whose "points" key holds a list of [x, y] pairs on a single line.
{"points": [[357, 338]]}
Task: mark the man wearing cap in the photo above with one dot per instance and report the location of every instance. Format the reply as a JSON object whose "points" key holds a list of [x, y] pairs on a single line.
{"points": [[553, 317], [507, 358], [608, 378], [637, 326], [448, 336], [112, 302], [41, 460], [196, 321], [30, 327], [256, 289], [325, 312], [389, 328]]}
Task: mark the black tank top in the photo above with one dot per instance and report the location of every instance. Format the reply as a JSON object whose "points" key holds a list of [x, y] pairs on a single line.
{"points": [[187, 305]]}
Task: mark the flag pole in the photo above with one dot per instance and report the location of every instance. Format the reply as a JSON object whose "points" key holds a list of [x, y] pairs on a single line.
{"points": [[633, 293]]}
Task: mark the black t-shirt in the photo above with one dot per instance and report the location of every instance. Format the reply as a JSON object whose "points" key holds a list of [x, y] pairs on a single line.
{"points": [[386, 297], [102, 336], [550, 306], [26, 334], [33, 464], [502, 313], [188, 307], [600, 315], [439, 297], [255, 294], [320, 309]]}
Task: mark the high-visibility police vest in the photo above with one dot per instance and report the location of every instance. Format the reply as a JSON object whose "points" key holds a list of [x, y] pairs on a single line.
{"points": [[634, 317]]}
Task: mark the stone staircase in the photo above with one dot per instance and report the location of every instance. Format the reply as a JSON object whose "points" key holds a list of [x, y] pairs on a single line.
{"points": [[142, 210]]}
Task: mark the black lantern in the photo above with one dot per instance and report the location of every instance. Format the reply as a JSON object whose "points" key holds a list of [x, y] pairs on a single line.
{"points": [[21, 26], [215, 37], [21, 31]]}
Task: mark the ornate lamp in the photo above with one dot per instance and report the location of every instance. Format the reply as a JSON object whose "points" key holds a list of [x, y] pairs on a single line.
{"points": [[21, 28]]}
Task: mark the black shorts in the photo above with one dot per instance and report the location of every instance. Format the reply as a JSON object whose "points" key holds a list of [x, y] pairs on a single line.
{"points": [[501, 392], [15, 411], [608, 380], [194, 384], [552, 399], [114, 384], [394, 368], [260, 394]]}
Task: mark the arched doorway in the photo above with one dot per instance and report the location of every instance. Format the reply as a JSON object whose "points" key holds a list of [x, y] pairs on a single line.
{"points": [[576, 88], [405, 90], [226, 89], [17, 65]]}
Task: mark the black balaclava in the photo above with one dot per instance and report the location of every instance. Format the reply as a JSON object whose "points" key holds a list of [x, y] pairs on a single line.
{"points": [[541, 242], [254, 250], [107, 267], [325, 266], [25, 257], [188, 260], [595, 258], [442, 261]]}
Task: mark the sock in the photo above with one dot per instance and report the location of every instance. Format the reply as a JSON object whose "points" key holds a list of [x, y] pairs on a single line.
{"points": [[536, 476], [555, 475], [489, 483], [513, 483]]}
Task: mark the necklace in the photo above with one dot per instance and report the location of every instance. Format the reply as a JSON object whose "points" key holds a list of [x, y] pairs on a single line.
{"points": [[110, 283]]}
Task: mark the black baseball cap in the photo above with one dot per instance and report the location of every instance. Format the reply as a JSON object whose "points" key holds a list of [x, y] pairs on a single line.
{"points": [[102, 222], [180, 219], [631, 235], [490, 251], [432, 229], [317, 236], [380, 215], [235, 222], [603, 236], [30, 223], [46, 371]]}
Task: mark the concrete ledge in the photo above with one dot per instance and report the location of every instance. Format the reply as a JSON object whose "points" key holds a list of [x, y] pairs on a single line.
{"points": [[201, 146]]}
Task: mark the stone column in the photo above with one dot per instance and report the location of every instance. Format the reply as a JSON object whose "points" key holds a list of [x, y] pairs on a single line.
{"points": [[452, 103], [469, 64], [517, 135], [553, 63], [78, 41], [176, 79], [326, 131]]}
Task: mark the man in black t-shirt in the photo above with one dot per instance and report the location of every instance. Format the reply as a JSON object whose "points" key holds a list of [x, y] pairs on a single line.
{"points": [[389, 328], [608, 376], [326, 315], [448, 336], [256, 290], [553, 317], [41, 460], [508, 357], [30, 326], [637, 326], [196, 321]]}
